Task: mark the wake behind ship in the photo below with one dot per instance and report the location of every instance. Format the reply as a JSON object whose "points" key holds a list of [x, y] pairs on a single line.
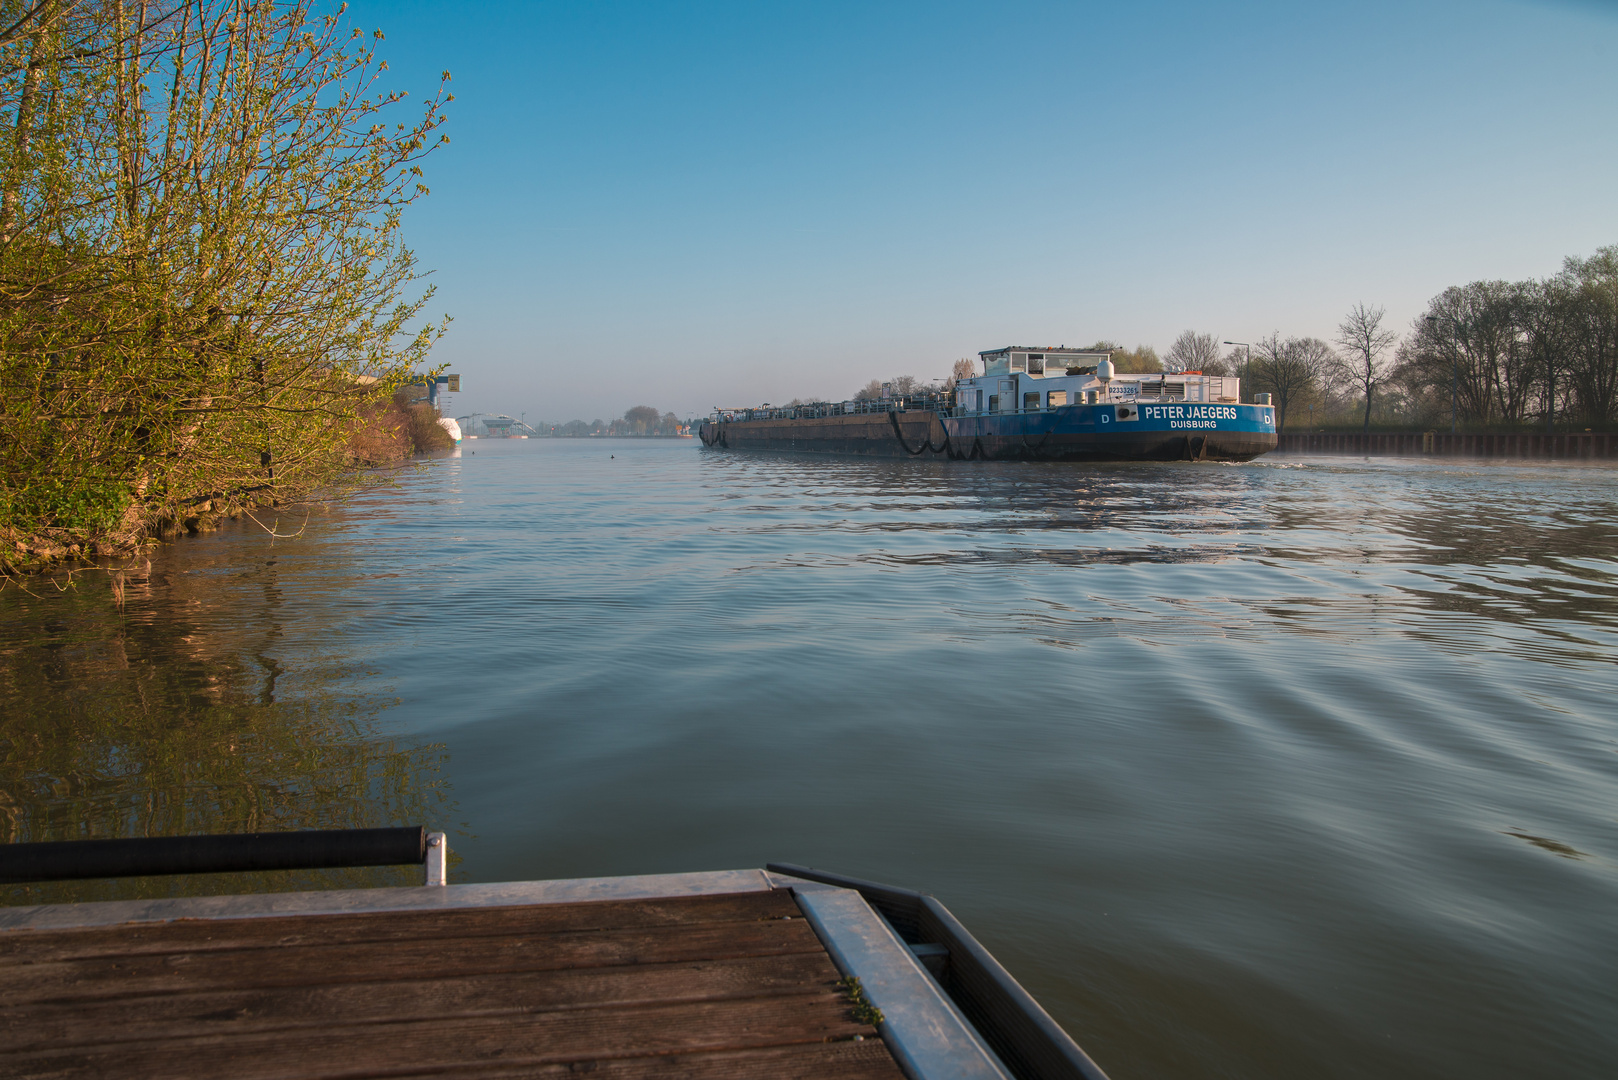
{"points": [[1029, 404]]}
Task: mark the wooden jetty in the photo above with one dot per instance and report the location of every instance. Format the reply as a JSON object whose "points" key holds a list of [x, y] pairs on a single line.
{"points": [[745, 973]]}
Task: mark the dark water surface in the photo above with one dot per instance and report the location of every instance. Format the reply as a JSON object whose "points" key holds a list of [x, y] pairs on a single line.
{"points": [[1303, 767]]}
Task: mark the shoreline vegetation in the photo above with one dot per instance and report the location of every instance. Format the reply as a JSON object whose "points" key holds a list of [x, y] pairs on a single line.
{"points": [[383, 435], [205, 301], [1487, 357], [637, 421]]}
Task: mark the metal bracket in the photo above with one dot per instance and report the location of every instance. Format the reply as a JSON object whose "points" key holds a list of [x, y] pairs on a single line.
{"points": [[933, 956], [437, 859]]}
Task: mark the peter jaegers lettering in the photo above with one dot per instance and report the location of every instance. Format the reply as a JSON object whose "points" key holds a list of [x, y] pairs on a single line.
{"points": [[1189, 416]]}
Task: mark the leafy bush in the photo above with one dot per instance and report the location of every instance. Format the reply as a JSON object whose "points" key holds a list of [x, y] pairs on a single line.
{"points": [[83, 505], [203, 285]]}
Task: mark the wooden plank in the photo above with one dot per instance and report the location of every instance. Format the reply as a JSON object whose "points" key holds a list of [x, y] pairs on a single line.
{"points": [[436, 1045], [108, 976], [199, 935], [721, 986], [868, 1060], [288, 1009]]}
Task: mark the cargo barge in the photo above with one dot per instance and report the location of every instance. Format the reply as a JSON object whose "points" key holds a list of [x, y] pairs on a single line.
{"points": [[1028, 404]]}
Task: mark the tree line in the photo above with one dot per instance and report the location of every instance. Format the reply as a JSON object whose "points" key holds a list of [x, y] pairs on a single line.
{"points": [[1540, 353], [204, 293], [1537, 353], [639, 420], [1519, 353]]}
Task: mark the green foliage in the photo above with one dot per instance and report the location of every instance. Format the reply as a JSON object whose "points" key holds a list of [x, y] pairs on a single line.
{"points": [[863, 1010], [203, 288], [1142, 359], [642, 419], [85, 505], [426, 433]]}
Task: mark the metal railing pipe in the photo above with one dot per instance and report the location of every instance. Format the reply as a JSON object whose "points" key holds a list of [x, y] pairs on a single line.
{"points": [[233, 852]]}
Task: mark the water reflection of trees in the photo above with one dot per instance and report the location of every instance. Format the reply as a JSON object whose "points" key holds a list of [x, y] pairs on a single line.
{"points": [[165, 719]]}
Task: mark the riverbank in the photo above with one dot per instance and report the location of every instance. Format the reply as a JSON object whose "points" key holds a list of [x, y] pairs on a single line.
{"points": [[385, 435], [1515, 445]]}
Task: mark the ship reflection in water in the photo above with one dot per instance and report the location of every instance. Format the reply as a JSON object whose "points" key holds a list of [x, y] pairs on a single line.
{"points": [[1296, 767]]}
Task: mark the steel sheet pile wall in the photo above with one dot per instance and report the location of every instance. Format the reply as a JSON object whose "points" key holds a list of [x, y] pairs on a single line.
{"points": [[1588, 445]]}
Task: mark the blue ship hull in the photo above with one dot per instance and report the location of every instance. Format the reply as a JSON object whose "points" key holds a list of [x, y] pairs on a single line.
{"points": [[1148, 431]]}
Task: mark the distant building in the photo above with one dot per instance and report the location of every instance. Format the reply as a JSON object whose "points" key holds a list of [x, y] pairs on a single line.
{"points": [[494, 426]]}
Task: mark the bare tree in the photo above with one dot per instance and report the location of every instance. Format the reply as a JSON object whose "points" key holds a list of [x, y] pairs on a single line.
{"points": [[1470, 351], [1364, 343], [1289, 369], [963, 369], [1493, 352], [1592, 347], [1192, 351], [871, 391]]}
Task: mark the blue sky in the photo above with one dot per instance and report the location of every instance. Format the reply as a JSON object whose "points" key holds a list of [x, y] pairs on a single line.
{"points": [[685, 205]]}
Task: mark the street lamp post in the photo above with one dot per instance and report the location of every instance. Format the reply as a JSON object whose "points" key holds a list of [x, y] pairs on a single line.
{"points": [[1247, 361]]}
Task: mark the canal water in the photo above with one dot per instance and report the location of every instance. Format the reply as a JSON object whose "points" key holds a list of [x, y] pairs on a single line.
{"points": [[1305, 767]]}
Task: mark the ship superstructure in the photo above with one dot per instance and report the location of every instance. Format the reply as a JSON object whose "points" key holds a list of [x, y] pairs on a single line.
{"points": [[1029, 380]]}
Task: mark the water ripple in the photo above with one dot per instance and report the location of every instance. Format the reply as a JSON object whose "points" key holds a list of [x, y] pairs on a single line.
{"points": [[1302, 767]]}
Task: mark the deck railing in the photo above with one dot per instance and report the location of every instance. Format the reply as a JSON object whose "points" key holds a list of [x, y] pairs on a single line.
{"points": [[1031, 1044], [942, 404], [939, 403], [313, 849]]}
